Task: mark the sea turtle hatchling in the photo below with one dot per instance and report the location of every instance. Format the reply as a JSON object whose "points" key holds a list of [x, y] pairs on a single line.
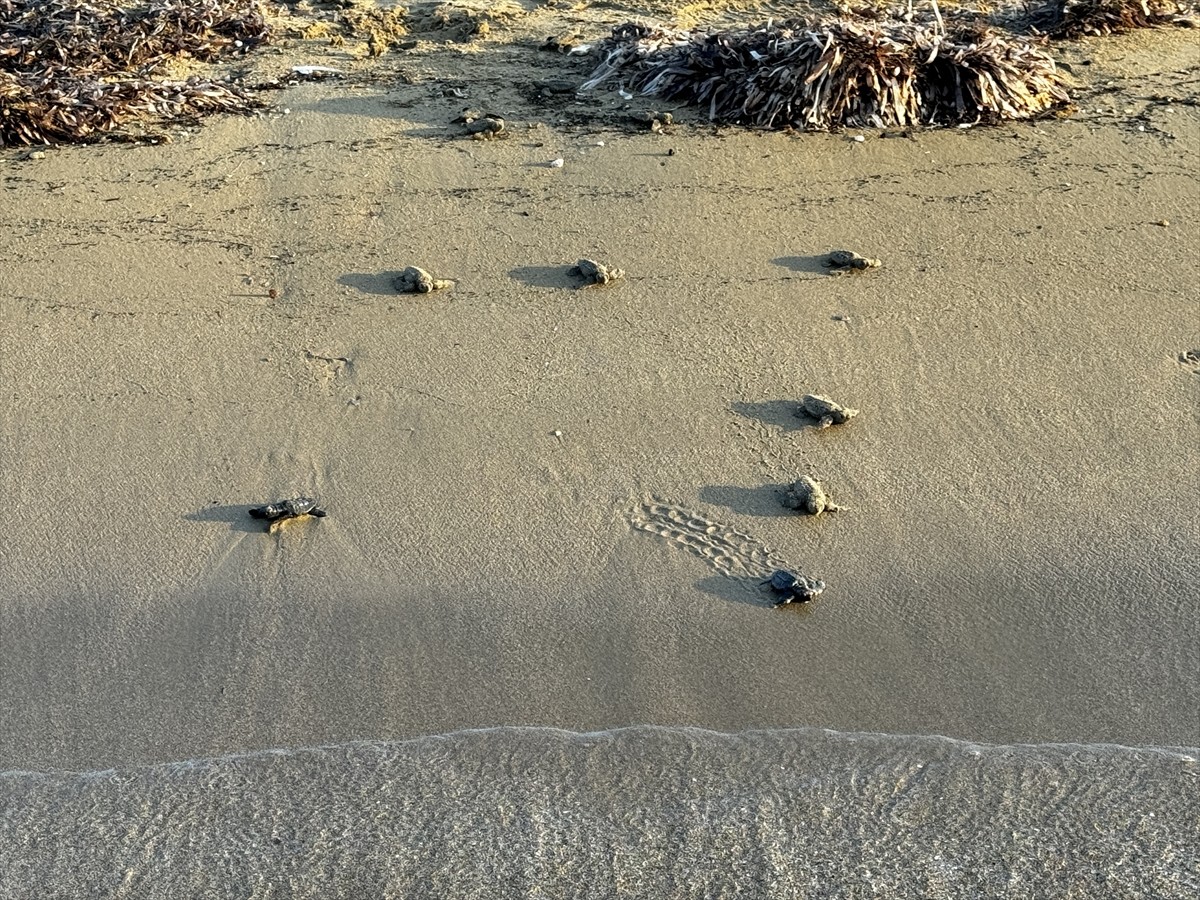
{"points": [[594, 273], [843, 262], [792, 587], [807, 496], [824, 410], [417, 281], [284, 510], [481, 126], [486, 128]]}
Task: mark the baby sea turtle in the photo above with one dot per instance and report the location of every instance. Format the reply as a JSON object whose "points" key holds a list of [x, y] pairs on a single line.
{"points": [[283, 510], [842, 262], [807, 496], [593, 272], [481, 126], [825, 411], [791, 587], [417, 281]]}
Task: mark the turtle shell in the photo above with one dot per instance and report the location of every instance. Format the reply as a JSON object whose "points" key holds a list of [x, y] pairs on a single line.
{"points": [[782, 580], [288, 509], [301, 506]]}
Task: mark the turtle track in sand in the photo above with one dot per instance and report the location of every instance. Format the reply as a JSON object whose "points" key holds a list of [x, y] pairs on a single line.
{"points": [[729, 551]]}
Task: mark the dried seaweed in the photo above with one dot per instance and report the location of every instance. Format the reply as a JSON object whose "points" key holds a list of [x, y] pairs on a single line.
{"points": [[838, 73], [1075, 18], [73, 71]]}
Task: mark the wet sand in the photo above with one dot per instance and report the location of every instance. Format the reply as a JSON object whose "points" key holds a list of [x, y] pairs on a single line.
{"points": [[633, 813], [1019, 556]]}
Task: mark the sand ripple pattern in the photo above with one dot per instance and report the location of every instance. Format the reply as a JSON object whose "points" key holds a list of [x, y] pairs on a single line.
{"points": [[632, 813], [729, 551]]}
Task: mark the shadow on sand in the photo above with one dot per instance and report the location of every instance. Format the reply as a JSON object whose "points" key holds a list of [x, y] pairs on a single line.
{"points": [[544, 276], [371, 282], [758, 501], [236, 516], [809, 265]]}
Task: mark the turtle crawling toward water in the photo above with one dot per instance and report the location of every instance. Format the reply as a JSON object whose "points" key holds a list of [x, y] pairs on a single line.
{"points": [[843, 262], [825, 411], [594, 273], [807, 496], [284, 510], [792, 587], [417, 281]]}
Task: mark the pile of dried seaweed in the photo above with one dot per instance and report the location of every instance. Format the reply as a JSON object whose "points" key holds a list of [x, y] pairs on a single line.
{"points": [[75, 71], [1073, 18], [829, 74]]}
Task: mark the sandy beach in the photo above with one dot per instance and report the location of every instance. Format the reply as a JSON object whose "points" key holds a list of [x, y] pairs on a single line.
{"points": [[549, 506]]}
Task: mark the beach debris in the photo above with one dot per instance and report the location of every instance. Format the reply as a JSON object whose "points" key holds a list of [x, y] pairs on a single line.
{"points": [[283, 511], [1075, 18], [415, 280], [316, 73], [792, 587], [825, 411], [831, 73], [594, 273], [843, 262], [557, 163], [807, 496], [73, 72]]}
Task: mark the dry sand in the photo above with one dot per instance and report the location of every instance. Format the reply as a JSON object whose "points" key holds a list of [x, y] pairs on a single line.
{"points": [[1020, 556]]}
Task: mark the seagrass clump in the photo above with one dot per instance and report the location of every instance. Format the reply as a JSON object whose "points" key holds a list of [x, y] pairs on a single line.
{"points": [[73, 71], [1075, 18], [797, 74]]}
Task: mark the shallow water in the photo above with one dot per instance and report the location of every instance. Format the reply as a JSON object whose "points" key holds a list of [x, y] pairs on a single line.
{"points": [[639, 812]]}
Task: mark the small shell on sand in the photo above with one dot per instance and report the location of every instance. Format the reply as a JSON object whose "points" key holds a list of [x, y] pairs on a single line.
{"points": [[414, 280]]}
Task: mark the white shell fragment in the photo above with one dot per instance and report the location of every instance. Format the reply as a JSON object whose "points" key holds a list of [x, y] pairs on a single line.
{"points": [[316, 70], [557, 163]]}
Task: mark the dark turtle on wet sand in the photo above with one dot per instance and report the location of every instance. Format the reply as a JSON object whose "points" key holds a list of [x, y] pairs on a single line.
{"points": [[825, 411], [593, 272], [807, 496], [791, 587], [417, 281], [284, 510], [843, 262]]}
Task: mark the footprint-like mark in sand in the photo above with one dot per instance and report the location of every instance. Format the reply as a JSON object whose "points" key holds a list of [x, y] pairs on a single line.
{"points": [[729, 551]]}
